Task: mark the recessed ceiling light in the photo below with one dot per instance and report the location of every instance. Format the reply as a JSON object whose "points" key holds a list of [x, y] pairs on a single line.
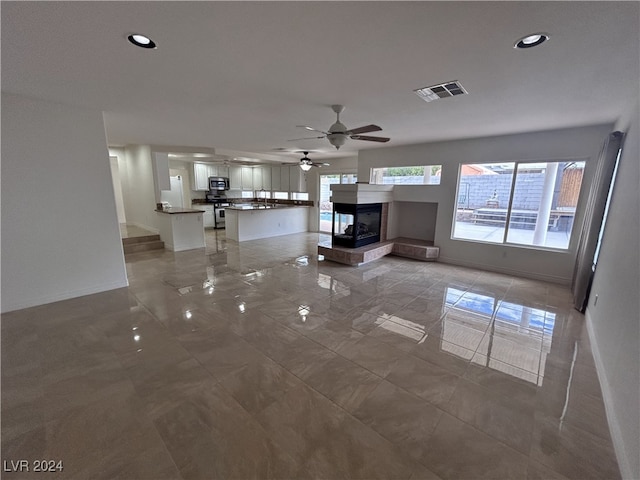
{"points": [[141, 41], [532, 40]]}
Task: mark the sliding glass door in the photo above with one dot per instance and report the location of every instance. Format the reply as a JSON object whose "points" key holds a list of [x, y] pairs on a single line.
{"points": [[326, 207]]}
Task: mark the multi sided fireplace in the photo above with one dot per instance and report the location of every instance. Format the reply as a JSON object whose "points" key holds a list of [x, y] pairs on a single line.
{"points": [[356, 225]]}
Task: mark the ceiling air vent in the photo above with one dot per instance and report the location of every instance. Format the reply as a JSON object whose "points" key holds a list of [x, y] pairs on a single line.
{"points": [[442, 90]]}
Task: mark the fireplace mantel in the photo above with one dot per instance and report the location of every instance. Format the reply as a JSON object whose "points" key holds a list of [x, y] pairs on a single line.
{"points": [[360, 193]]}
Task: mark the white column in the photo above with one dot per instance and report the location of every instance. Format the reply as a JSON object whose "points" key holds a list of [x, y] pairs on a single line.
{"points": [[544, 212]]}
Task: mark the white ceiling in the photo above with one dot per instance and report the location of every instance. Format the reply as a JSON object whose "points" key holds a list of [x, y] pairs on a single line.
{"points": [[239, 76]]}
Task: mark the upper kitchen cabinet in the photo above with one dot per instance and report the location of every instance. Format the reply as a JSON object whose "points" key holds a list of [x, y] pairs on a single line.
{"points": [[235, 178], [275, 179], [257, 178], [266, 178], [297, 179], [247, 178], [262, 178], [284, 179], [223, 171], [201, 174]]}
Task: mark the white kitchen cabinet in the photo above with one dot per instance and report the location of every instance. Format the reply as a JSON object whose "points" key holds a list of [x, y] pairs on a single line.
{"points": [[201, 176], [235, 178], [208, 218], [297, 179], [222, 171], [247, 178], [275, 179], [266, 178], [284, 179], [257, 178]]}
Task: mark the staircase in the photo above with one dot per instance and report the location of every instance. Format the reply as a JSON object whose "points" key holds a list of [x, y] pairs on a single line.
{"points": [[142, 244]]}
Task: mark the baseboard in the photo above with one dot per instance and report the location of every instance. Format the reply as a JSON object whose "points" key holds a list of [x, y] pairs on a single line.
{"points": [[508, 271], [614, 425], [43, 300], [182, 247]]}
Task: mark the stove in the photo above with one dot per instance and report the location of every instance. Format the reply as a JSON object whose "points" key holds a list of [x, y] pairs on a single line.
{"points": [[218, 212]]}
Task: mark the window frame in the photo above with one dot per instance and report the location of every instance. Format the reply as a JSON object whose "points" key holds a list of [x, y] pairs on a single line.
{"points": [[505, 242], [372, 175]]}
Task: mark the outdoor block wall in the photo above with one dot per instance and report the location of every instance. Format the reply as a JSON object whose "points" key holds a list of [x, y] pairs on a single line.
{"points": [[476, 190]]}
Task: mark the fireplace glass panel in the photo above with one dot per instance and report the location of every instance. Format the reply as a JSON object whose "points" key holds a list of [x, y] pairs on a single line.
{"points": [[356, 225], [342, 225]]}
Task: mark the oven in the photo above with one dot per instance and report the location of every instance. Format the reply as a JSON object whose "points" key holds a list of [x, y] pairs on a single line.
{"points": [[218, 214]]}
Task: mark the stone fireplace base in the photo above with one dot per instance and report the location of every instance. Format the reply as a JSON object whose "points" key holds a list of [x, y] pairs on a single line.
{"points": [[403, 247]]}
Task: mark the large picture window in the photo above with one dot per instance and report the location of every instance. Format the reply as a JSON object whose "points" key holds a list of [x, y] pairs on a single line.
{"points": [[531, 204]]}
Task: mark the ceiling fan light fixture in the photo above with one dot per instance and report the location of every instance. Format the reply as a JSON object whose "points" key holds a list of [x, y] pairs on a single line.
{"points": [[337, 139], [305, 166]]}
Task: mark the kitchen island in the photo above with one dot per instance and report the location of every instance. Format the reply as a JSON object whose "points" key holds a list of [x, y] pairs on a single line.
{"points": [[181, 228], [252, 221]]}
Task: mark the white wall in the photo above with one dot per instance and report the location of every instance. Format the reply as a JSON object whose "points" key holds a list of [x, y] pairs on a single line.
{"points": [[576, 143], [412, 220], [60, 234], [614, 321], [140, 196], [117, 189]]}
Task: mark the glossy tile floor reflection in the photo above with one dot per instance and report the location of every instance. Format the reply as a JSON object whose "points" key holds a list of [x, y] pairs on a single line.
{"points": [[259, 361]]}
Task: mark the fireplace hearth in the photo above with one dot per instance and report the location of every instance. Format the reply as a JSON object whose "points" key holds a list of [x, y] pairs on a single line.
{"points": [[356, 225]]}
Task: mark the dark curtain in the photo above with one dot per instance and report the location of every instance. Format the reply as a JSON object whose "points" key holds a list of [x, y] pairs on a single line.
{"points": [[593, 220]]}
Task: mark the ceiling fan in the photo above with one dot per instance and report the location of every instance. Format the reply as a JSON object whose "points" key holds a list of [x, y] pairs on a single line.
{"points": [[306, 163], [338, 132]]}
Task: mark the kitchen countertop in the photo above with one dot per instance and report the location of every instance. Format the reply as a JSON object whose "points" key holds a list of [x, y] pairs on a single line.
{"points": [[176, 210], [263, 207]]}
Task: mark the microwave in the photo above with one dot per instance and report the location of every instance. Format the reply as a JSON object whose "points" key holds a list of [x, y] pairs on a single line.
{"points": [[218, 183]]}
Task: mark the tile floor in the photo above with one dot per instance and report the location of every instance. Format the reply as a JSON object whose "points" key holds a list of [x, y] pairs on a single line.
{"points": [[260, 361]]}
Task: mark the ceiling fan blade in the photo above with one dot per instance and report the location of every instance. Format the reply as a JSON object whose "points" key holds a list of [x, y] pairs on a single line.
{"points": [[365, 129], [305, 138], [370, 139], [311, 129]]}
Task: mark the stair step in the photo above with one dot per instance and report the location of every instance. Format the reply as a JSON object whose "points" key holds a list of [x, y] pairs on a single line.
{"points": [[143, 247], [143, 239]]}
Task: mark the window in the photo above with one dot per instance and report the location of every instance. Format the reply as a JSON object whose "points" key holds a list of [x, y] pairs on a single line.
{"points": [[300, 196], [281, 195], [417, 175], [247, 194], [531, 204], [263, 194]]}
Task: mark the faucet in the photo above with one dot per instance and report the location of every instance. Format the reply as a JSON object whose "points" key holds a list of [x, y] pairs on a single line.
{"points": [[262, 190]]}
